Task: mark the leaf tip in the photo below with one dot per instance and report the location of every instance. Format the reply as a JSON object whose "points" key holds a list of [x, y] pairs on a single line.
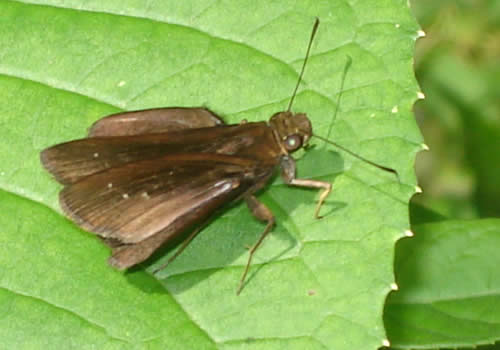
{"points": [[409, 233]]}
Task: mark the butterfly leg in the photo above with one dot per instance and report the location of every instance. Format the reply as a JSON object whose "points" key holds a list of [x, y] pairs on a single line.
{"points": [[261, 212], [179, 250], [127, 255], [288, 171], [326, 186]]}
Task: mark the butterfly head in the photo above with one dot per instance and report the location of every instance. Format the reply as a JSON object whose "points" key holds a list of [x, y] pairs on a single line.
{"points": [[293, 130]]}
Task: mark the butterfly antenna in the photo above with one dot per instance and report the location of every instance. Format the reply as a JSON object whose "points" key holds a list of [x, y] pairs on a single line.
{"points": [[341, 91], [327, 138], [313, 33], [376, 165]]}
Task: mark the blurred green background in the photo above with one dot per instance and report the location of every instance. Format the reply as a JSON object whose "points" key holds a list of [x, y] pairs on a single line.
{"points": [[457, 65]]}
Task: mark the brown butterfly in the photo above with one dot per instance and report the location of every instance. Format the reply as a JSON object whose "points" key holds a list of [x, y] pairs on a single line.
{"points": [[142, 179]]}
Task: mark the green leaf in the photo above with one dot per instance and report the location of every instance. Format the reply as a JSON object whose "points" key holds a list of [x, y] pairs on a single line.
{"points": [[314, 284], [449, 286]]}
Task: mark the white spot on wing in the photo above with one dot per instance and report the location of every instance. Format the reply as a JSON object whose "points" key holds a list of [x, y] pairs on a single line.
{"points": [[125, 196], [395, 109], [96, 155], [145, 195], [110, 185], [121, 83], [226, 186], [128, 120]]}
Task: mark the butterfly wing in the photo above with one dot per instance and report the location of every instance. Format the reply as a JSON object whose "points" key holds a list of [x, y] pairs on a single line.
{"points": [[72, 161], [136, 200], [157, 120], [141, 205]]}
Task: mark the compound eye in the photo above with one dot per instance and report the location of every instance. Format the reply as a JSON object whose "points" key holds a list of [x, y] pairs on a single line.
{"points": [[293, 142]]}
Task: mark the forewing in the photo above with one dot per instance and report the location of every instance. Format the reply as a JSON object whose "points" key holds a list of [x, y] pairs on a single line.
{"points": [[137, 200], [72, 161], [158, 120]]}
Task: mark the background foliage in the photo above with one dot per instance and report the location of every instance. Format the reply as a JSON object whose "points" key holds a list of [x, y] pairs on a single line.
{"points": [[457, 66], [448, 275]]}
